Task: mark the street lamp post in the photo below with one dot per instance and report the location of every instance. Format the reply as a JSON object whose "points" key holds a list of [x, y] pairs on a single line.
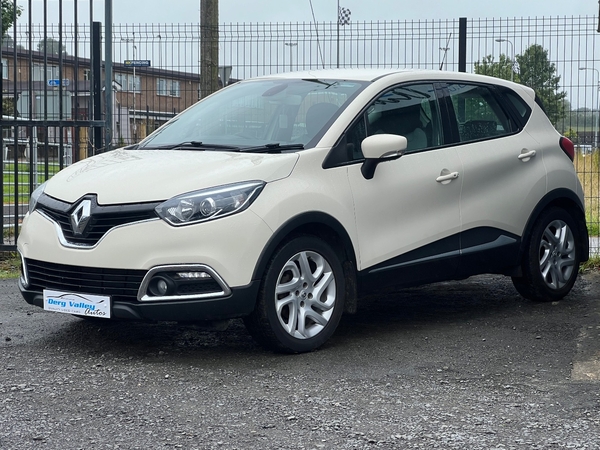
{"points": [[597, 123], [512, 57], [159, 51], [291, 45], [134, 123], [132, 41]]}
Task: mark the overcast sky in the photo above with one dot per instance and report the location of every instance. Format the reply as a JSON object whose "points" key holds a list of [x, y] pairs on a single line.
{"points": [[187, 11]]}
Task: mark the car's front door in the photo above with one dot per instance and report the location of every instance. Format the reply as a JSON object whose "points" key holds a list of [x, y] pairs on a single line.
{"points": [[407, 215]]}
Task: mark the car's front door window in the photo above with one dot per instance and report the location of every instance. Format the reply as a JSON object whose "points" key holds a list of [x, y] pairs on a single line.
{"points": [[408, 110]]}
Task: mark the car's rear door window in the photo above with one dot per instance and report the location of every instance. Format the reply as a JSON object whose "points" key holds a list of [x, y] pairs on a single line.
{"points": [[478, 113]]}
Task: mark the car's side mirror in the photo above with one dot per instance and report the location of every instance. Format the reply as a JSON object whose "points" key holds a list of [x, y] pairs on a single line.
{"points": [[380, 148]]}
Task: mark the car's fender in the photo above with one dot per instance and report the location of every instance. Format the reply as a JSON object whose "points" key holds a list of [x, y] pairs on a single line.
{"points": [[566, 199]]}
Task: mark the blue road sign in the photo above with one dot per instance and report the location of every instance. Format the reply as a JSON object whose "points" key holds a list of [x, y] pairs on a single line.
{"points": [[137, 62], [56, 83]]}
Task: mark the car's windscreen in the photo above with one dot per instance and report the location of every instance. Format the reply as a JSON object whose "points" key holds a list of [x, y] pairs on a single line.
{"points": [[287, 113]]}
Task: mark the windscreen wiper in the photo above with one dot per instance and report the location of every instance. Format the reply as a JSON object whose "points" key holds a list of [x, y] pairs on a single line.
{"points": [[275, 147], [314, 80], [194, 144]]}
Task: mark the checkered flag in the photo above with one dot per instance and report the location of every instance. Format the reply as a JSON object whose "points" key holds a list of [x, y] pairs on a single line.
{"points": [[343, 16], [515, 67]]}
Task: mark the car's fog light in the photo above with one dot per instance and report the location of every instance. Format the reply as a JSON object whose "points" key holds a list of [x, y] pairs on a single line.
{"points": [[160, 287], [182, 282]]}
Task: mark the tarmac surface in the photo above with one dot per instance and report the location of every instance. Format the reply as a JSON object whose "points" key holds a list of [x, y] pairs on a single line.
{"points": [[458, 365]]}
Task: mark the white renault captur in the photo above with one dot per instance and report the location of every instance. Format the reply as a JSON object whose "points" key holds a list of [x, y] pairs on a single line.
{"points": [[282, 199]]}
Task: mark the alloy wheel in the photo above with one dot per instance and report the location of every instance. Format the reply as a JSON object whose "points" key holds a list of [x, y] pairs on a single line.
{"points": [[557, 254], [305, 295]]}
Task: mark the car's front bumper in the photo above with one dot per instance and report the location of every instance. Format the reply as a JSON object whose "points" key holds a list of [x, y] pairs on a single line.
{"points": [[239, 303], [231, 246], [117, 266]]}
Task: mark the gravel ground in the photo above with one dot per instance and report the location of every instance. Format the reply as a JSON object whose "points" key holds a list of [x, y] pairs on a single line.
{"points": [[462, 365]]}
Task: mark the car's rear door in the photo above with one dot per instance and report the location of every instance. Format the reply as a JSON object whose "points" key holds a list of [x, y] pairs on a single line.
{"points": [[503, 176]]}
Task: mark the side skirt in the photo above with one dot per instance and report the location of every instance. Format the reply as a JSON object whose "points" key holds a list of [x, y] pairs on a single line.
{"points": [[476, 251]]}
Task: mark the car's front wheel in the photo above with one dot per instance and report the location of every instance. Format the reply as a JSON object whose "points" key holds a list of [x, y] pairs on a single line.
{"points": [[301, 298], [551, 260]]}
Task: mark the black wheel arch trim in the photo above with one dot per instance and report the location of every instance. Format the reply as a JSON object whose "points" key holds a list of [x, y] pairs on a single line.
{"points": [[303, 223], [561, 197]]}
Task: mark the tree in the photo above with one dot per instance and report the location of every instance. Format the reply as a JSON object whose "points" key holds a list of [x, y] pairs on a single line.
{"points": [[537, 72], [565, 122], [504, 68], [9, 42], [8, 107], [8, 14], [572, 135], [52, 46]]}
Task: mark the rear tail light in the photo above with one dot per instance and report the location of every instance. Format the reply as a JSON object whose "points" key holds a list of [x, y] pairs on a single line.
{"points": [[567, 147]]}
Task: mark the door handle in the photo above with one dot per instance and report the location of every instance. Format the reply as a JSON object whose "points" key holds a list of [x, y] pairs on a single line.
{"points": [[526, 155], [447, 177]]}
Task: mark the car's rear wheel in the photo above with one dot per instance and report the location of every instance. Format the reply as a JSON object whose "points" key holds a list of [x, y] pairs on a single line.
{"points": [[301, 298], [551, 259]]}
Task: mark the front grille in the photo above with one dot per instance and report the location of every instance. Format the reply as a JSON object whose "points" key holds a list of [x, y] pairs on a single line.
{"points": [[119, 284], [99, 225], [102, 219]]}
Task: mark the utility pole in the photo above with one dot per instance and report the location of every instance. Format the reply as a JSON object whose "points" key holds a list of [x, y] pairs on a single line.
{"points": [[209, 47]]}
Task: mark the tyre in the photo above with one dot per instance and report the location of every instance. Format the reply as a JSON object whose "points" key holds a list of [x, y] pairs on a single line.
{"points": [[301, 298], [551, 258]]}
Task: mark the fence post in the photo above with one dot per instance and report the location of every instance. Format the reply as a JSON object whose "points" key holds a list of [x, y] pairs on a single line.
{"points": [[96, 84], [108, 76], [462, 44]]}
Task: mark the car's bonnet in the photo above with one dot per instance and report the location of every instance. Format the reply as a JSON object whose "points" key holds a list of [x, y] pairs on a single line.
{"points": [[129, 176]]}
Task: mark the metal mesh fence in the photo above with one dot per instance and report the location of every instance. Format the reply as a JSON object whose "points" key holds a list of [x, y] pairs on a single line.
{"points": [[148, 96]]}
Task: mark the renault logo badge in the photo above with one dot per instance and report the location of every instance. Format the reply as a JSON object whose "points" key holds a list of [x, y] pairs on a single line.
{"points": [[81, 217]]}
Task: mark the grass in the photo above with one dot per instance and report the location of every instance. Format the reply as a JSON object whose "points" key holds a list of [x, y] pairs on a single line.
{"points": [[588, 170], [23, 180], [593, 264], [10, 264]]}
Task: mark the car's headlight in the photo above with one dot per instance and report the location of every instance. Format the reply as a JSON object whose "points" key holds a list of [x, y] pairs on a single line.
{"points": [[209, 204], [35, 196]]}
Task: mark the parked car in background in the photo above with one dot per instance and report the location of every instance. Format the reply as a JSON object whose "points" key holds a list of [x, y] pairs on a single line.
{"points": [[283, 199]]}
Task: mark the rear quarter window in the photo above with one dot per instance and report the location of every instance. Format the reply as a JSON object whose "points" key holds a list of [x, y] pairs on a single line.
{"points": [[521, 107]]}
